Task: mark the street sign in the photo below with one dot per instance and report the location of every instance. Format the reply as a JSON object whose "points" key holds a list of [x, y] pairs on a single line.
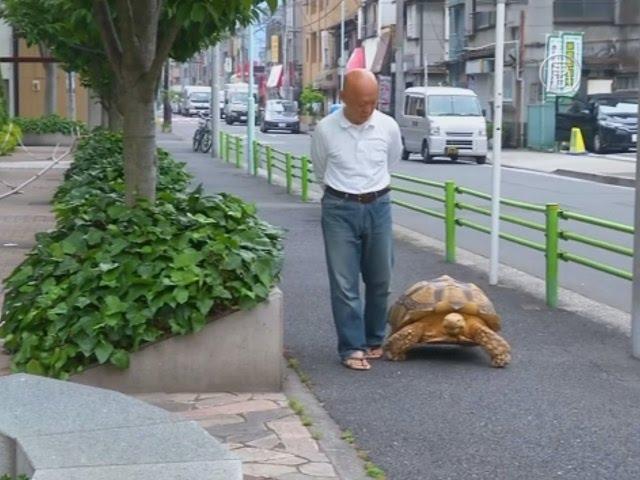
{"points": [[561, 70], [228, 65]]}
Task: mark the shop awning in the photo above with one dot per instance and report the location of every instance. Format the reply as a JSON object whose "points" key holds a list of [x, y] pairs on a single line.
{"points": [[382, 56], [356, 60], [275, 76]]}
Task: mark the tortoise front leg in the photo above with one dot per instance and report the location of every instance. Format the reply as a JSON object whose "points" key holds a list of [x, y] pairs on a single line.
{"points": [[496, 346], [399, 343]]}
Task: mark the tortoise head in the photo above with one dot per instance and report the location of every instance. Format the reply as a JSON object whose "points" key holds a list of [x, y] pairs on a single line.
{"points": [[453, 324]]}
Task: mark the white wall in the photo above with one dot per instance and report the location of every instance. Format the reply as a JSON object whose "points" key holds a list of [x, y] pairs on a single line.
{"points": [[6, 50]]}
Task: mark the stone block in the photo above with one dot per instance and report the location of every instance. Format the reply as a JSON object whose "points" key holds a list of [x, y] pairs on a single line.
{"points": [[46, 139], [240, 352]]}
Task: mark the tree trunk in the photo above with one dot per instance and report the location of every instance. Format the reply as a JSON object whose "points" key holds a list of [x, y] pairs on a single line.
{"points": [[50, 83], [114, 119], [139, 145]]}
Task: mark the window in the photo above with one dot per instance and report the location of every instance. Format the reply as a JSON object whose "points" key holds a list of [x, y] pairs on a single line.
{"points": [[483, 20], [413, 21], [414, 105], [314, 47], [454, 105], [584, 11], [370, 19]]}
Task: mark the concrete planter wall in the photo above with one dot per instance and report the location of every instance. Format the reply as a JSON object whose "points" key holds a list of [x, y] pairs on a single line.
{"points": [[46, 139], [240, 352]]}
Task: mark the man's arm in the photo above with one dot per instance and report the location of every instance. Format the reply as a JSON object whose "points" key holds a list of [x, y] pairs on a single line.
{"points": [[318, 155], [395, 143]]}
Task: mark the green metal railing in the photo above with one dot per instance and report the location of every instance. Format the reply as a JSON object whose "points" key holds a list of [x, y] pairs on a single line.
{"points": [[452, 201], [232, 148]]}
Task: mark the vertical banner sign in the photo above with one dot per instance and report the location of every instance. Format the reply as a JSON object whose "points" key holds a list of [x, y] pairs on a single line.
{"points": [[563, 64], [384, 98], [275, 48]]}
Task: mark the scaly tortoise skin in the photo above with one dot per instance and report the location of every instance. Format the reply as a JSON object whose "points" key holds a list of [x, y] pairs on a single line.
{"points": [[445, 310]]}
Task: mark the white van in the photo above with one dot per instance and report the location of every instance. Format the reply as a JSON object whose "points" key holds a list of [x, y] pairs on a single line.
{"points": [[443, 121], [196, 99]]}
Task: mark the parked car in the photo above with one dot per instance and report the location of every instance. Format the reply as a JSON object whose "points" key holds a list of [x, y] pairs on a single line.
{"points": [[608, 122], [236, 108], [443, 121], [280, 115]]}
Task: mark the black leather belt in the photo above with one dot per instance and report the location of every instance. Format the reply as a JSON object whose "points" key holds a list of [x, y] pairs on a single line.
{"points": [[357, 197]]}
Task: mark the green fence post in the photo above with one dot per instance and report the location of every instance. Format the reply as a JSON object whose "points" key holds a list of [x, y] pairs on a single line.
{"points": [[450, 221], [305, 177], [227, 147], [238, 151], [551, 253], [289, 169], [256, 156], [269, 163], [221, 144]]}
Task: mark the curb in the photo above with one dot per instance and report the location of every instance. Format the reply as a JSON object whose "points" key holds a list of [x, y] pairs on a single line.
{"points": [[342, 455], [595, 177]]}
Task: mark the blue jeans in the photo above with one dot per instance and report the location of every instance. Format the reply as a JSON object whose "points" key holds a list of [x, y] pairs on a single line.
{"points": [[358, 241]]}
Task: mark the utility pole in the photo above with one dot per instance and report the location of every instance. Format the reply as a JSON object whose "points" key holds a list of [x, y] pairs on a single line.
{"points": [[635, 302], [399, 41], [497, 142], [285, 57], [215, 100], [251, 110], [343, 61]]}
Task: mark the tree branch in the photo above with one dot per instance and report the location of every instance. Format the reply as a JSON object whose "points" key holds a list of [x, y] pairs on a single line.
{"points": [[108, 34], [164, 45]]}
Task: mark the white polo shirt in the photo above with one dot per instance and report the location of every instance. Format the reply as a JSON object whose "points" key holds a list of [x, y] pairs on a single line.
{"points": [[355, 158]]}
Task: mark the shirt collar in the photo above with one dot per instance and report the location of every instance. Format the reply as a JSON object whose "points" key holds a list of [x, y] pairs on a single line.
{"points": [[345, 123]]}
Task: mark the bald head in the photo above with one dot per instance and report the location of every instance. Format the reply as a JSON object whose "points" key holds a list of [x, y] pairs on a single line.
{"points": [[360, 95]]}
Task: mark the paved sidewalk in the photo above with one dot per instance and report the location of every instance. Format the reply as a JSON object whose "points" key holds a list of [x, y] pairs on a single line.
{"points": [[261, 428], [615, 169]]}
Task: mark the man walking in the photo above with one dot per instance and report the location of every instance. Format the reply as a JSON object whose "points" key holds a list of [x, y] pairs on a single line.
{"points": [[352, 150]]}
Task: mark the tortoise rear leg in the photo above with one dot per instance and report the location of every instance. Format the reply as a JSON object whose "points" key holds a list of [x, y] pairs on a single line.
{"points": [[402, 341], [496, 346]]}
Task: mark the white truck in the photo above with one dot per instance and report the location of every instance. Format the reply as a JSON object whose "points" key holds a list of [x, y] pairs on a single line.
{"points": [[195, 99]]}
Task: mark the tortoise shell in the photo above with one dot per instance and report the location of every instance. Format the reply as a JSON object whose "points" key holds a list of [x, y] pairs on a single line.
{"points": [[442, 295]]}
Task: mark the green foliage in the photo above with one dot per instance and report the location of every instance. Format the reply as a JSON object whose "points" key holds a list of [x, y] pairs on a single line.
{"points": [[110, 278], [309, 98], [7, 477], [4, 115], [50, 124], [10, 135]]}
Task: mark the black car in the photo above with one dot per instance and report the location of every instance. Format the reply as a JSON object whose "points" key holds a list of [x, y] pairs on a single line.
{"points": [[608, 122]]}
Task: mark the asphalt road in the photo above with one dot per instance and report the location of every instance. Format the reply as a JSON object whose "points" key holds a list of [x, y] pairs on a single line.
{"points": [[590, 198], [566, 408]]}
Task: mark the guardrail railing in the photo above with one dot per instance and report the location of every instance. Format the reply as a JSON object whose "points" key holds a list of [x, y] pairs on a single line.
{"points": [[452, 201]]}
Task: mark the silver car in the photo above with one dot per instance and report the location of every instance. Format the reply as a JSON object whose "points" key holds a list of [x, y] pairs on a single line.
{"points": [[280, 115]]}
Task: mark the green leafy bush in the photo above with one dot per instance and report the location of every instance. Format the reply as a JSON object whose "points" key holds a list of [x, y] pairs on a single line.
{"points": [[10, 136], [50, 124], [7, 477], [110, 278]]}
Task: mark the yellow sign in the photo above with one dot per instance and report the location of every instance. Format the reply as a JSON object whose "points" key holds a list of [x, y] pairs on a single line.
{"points": [[275, 48]]}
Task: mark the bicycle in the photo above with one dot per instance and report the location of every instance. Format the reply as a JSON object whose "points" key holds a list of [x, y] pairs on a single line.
{"points": [[202, 137]]}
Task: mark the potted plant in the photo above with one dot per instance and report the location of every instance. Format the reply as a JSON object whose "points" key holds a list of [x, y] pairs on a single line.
{"points": [[311, 101]]}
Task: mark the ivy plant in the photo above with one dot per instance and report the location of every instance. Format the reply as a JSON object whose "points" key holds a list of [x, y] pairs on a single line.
{"points": [[110, 278], [50, 124]]}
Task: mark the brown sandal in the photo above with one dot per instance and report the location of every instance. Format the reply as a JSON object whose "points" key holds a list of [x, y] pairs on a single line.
{"points": [[357, 361], [374, 353]]}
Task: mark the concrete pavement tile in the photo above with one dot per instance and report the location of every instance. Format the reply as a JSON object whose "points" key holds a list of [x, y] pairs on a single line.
{"points": [[213, 400], [268, 471], [276, 397], [183, 397], [232, 408], [238, 432], [221, 420], [270, 415], [261, 455], [302, 476], [289, 427], [270, 441], [318, 469]]}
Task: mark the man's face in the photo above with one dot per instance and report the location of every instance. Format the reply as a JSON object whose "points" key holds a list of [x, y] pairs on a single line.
{"points": [[360, 103]]}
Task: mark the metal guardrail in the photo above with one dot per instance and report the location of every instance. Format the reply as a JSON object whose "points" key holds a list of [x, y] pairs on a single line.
{"points": [[448, 196]]}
